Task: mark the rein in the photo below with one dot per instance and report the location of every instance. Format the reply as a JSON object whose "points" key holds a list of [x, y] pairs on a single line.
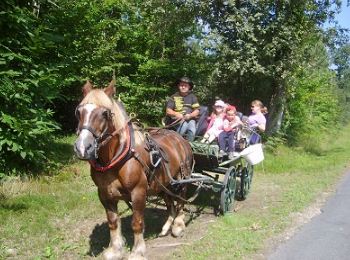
{"points": [[175, 123]]}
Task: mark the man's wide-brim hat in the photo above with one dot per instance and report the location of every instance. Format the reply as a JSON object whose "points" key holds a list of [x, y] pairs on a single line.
{"points": [[185, 80]]}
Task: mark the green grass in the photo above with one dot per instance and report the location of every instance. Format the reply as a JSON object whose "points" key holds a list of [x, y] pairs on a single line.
{"points": [[59, 216], [34, 219], [288, 181], [39, 216]]}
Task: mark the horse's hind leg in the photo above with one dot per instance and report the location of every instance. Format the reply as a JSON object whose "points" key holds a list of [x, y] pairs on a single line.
{"points": [[179, 221], [171, 214], [115, 249]]}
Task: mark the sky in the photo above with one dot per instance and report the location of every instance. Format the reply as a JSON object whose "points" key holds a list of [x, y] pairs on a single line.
{"points": [[344, 17]]}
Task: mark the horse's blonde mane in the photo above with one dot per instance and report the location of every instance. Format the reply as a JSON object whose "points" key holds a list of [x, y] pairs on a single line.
{"points": [[99, 98]]}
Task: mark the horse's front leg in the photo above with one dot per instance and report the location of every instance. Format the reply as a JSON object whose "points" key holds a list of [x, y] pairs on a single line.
{"points": [[115, 250], [138, 198]]}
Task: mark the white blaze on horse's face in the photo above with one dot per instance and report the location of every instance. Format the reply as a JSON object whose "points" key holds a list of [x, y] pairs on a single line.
{"points": [[88, 111], [84, 143]]}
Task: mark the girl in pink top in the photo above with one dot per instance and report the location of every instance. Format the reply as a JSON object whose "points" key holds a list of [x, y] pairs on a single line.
{"points": [[216, 124], [226, 138]]}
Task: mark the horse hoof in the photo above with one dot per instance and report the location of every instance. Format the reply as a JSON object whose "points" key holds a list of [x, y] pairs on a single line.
{"points": [[134, 256], [177, 231], [178, 226], [111, 254]]}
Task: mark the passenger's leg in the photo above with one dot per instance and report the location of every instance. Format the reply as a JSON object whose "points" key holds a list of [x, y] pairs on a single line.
{"points": [[182, 128], [205, 138], [222, 141], [231, 143], [211, 138], [191, 130]]}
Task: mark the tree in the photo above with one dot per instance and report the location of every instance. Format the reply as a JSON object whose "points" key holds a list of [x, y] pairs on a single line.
{"points": [[259, 41], [312, 104], [148, 43], [27, 86]]}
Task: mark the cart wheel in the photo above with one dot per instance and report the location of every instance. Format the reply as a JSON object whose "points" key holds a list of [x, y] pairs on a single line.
{"points": [[227, 197], [246, 177]]}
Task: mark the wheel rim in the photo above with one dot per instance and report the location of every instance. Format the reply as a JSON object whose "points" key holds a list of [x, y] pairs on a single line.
{"points": [[246, 180], [228, 192]]}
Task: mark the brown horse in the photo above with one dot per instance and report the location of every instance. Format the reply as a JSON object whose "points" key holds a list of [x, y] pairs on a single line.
{"points": [[128, 163]]}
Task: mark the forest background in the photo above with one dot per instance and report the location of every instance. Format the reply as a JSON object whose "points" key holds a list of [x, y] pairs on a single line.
{"points": [[277, 51]]}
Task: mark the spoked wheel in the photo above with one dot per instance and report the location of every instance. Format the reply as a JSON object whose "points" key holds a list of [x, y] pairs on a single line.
{"points": [[246, 176], [227, 197]]}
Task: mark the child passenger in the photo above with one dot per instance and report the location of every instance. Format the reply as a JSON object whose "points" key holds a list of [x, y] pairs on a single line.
{"points": [[216, 124], [257, 119], [226, 137]]}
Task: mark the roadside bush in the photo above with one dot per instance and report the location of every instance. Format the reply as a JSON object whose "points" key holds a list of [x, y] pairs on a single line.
{"points": [[27, 86], [313, 110]]}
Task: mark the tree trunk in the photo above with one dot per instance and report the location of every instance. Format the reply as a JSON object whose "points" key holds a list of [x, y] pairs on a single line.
{"points": [[277, 108]]}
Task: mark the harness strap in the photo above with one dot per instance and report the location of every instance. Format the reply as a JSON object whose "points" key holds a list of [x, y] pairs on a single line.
{"points": [[171, 125], [110, 136], [164, 163], [92, 131], [123, 154], [153, 147], [144, 165]]}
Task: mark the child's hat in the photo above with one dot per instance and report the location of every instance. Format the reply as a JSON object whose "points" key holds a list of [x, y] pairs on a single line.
{"points": [[219, 103]]}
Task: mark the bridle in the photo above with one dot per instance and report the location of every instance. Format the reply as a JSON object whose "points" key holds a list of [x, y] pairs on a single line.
{"points": [[99, 139], [123, 151]]}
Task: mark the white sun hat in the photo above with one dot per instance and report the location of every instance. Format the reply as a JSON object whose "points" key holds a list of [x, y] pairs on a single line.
{"points": [[220, 103]]}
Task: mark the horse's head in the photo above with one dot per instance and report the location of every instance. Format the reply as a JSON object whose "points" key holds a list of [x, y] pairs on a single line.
{"points": [[94, 114]]}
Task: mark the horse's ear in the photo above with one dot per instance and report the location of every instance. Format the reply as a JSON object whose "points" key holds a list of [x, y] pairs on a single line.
{"points": [[110, 90], [87, 88]]}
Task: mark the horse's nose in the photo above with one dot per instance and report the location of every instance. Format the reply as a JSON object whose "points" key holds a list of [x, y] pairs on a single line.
{"points": [[84, 149], [77, 150], [89, 148]]}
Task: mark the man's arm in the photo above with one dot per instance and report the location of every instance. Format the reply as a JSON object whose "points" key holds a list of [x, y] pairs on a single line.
{"points": [[192, 115], [195, 106], [172, 113]]}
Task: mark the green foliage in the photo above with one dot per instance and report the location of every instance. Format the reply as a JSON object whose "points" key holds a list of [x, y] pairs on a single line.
{"points": [[27, 85], [134, 38], [342, 61], [47, 51], [237, 50], [313, 105], [258, 43]]}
